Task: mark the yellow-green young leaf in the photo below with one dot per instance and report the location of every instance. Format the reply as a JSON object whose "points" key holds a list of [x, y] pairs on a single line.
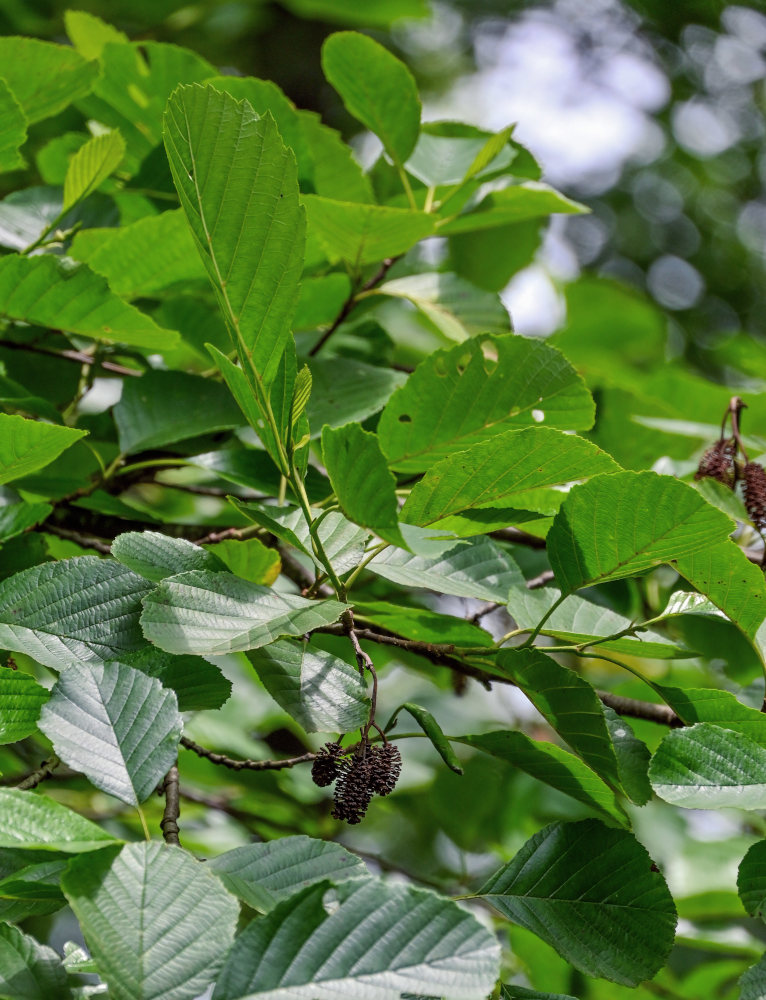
{"points": [[41, 291], [89, 34], [336, 172], [623, 524], [530, 200], [249, 559], [301, 394], [376, 88], [91, 165], [45, 78], [29, 445], [594, 895], [362, 482], [380, 14], [13, 129], [448, 153], [246, 220], [466, 394], [363, 234]]}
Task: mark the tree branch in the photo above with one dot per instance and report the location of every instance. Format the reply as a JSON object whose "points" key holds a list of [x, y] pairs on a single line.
{"points": [[350, 302], [78, 357], [45, 770], [244, 765], [84, 541], [169, 822]]}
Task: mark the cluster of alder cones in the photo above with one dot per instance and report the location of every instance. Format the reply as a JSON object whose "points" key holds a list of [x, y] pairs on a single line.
{"points": [[371, 769], [720, 462]]}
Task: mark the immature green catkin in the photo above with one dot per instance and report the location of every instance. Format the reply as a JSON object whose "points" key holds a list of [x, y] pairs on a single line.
{"points": [[718, 463], [755, 494]]}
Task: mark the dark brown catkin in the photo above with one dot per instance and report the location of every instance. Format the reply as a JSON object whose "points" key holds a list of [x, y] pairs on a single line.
{"points": [[325, 770], [755, 494], [718, 463], [353, 791], [386, 768]]}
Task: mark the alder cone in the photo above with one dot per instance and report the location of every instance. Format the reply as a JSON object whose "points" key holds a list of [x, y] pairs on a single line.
{"points": [[354, 790], [386, 766], [718, 463], [325, 768], [755, 494]]}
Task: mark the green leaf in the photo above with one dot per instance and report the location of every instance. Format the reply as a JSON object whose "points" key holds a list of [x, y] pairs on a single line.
{"points": [[708, 767], [89, 34], [381, 14], [76, 609], [249, 559], [208, 613], [29, 445], [421, 624], [361, 480], [721, 708], [364, 234], [569, 703], [31, 889], [348, 391], [26, 215], [553, 766], [460, 396], [633, 758], [21, 699], [323, 693], [40, 291], [34, 821], [431, 728], [198, 684], [117, 726], [45, 78], [145, 257], [265, 874], [156, 921], [500, 472], [163, 407], [30, 970], [16, 518], [521, 993], [530, 200], [91, 165], [336, 173], [321, 300], [246, 221], [581, 621], [155, 556], [376, 88], [456, 308], [753, 982], [477, 567], [751, 880], [591, 893], [13, 130], [376, 940], [441, 158], [621, 525]]}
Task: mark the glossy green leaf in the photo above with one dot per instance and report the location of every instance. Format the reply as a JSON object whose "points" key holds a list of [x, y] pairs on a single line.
{"points": [[708, 767], [530, 200], [569, 703], [262, 875], [477, 567], [143, 258], [249, 559], [320, 691], [460, 396], [91, 165], [13, 129], [75, 609], [590, 892], [620, 525], [376, 88], [157, 923], [363, 234], [30, 820], [163, 407], [208, 613], [554, 766], [499, 472], [16, 518], [348, 391], [633, 758], [155, 556], [45, 78], [198, 684], [29, 445], [116, 725], [751, 880], [246, 221], [21, 699], [30, 970], [433, 731], [456, 308], [376, 942], [40, 291], [361, 480]]}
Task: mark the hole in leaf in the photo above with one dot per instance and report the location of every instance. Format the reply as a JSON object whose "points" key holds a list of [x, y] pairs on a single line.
{"points": [[405, 418], [538, 416]]}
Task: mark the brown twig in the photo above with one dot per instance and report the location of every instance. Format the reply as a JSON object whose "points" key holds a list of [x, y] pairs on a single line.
{"points": [[45, 770], [541, 579], [636, 709], [350, 302], [244, 765], [518, 537], [84, 541], [78, 357], [169, 822]]}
